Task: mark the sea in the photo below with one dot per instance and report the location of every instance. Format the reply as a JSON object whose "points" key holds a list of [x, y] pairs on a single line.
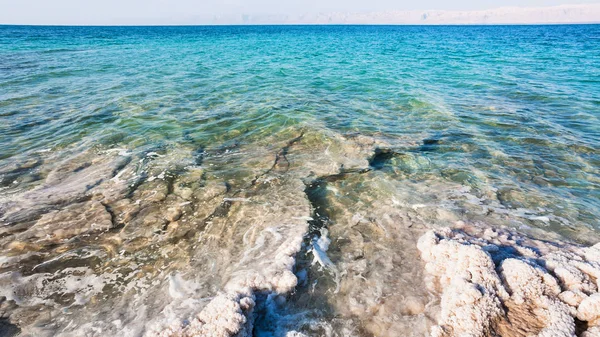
{"points": [[275, 180]]}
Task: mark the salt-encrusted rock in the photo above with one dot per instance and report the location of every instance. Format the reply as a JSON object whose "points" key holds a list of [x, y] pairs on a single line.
{"points": [[226, 315], [589, 309], [572, 298], [471, 300], [531, 285], [498, 282], [592, 332]]}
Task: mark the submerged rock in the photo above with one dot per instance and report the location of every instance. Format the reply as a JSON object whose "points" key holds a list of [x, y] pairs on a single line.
{"points": [[71, 181], [71, 221]]}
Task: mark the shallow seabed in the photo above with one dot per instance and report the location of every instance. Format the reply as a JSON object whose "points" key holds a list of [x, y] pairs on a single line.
{"points": [[300, 181]]}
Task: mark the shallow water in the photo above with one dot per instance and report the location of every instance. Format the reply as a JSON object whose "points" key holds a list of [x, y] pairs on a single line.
{"points": [[148, 173]]}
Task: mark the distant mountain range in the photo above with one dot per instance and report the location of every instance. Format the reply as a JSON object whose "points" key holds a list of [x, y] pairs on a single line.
{"points": [[587, 13], [584, 13]]}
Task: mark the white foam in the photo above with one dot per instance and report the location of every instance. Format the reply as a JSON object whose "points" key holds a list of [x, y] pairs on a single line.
{"points": [[319, 248], [237, 199]]}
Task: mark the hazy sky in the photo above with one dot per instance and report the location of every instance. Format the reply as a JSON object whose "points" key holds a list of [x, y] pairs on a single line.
{"points": [[189, 11]]}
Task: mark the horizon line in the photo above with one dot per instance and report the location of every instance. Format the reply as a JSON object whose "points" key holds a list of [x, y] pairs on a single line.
{"points": [[590, 23]]}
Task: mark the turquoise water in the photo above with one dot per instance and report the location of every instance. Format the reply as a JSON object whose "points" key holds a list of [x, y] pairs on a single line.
{"points": [[511, 113], [530, 92]]}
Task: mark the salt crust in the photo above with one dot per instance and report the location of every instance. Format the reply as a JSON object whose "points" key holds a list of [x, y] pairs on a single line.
{"points": [[498, 282]]}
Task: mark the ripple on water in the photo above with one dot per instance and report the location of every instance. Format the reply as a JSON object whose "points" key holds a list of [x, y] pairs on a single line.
{"points": [[164, 181]]}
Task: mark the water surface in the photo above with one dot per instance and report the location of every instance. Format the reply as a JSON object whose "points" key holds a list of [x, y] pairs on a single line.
{"points": [[144, 170]]}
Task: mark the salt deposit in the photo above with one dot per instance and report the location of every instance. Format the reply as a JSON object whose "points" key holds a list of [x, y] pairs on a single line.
{"points": [[500, 282]]}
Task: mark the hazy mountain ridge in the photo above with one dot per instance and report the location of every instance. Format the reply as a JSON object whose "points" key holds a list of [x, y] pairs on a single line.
{"points": [[583, 13], [588, 13]]}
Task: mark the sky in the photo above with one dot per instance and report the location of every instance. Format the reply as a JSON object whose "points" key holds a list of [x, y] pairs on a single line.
{"points": [[106, 12]]}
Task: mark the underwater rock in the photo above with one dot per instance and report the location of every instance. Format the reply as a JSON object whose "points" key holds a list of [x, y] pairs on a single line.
{"points": [[73, 220], [321, 154], [71, 181], [69, 286], [500, 282]]}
